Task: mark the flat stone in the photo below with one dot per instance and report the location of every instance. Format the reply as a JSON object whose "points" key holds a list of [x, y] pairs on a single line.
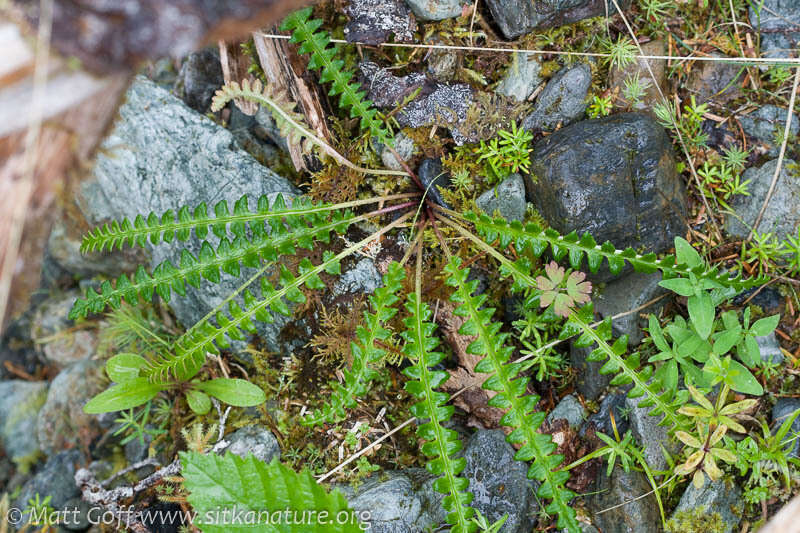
{"points": [[766, 125], [256, 440], [522, 76], [55, 479], [375, 21], [563, 100], [20, 402], [782, 216], [517, 17], [199, 78], [63, 344], [715, 80], [588, 381], [718, 503], [601, 420], [618, 76], [405, 148], [649, 434], [770, 349], [364, 278], [614, 178], [629, 292], [569, 409], [640, 515], [778, 21], [162, 155], [437, 9], [507, 197]]}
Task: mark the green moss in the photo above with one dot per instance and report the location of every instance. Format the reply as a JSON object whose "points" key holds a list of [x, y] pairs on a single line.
{"points": [[695, 521]]}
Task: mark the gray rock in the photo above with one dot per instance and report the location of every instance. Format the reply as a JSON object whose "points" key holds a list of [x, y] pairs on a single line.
{"points": [[254, 439], [62, 343], [638, 516], [254, 138], [199, 78], [404, 146], [767, 124], [443, 104], [441, 65], [624, 294], [768, 299], [437, 9], [432, 176], [589, 381], [719, 504], [375, 21], [782, 216], [517, 17], [56, 479], [715, 80], [363, 278], [395, 502], [782, 410], [770, 349], [569, 409], [77, 517], [20, 402], [781, 19], [522, 76], [612, 177], [618, 76], [601, 420], [136, 450], [162, 155], [563, 100], [499, 483], [62, 422], [507, 197], [649, 434]]}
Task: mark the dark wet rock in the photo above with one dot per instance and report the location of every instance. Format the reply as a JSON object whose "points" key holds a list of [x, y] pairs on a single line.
{"points": [[395, 502], [507, 197], [254, 439], [614, 178], [162, 155], [649, 434], [625, 294], [778, 22], [639, 516], [404, 146], [601, 420], [719, 504], [62, 344], [441, 65], [768, 299], [77, 516], [199, 78], [444, 104], [782, 216], [770, 349], [254, 138], [517, 17], [375, 21], [55, 479], [437, 9], [588, 381], [498, 482], [432, 176], [569, 409], [766, 125], [782, 410], [618, 76], [563, 100], [62, 422], [522, 76], [363, 278], [17, 348], [137, 450], [20, 402], [715, 80]]}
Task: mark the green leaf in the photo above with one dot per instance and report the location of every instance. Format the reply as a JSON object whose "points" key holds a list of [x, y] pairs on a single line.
{"points": [[125, 367], [237, 392], [247, 487], [749, 352], [725, 341], [125, 395], [741, 380], [686, 254], [680, 286], [701, 313], [765, 326], [199, 402]]}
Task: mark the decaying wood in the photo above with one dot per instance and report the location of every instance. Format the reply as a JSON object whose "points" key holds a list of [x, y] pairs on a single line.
{"points": [[276, 58], [787, 520], [234, 68]]}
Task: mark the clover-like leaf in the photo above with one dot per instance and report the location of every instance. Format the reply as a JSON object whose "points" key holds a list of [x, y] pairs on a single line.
{"points": [[562, 296]]}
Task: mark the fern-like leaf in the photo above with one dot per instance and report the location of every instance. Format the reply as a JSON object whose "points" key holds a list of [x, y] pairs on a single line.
{"points": [[351, 95], [531, 237], [522, 415], [366, 352], [441, 444], [302, 225], [260, 497]]}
